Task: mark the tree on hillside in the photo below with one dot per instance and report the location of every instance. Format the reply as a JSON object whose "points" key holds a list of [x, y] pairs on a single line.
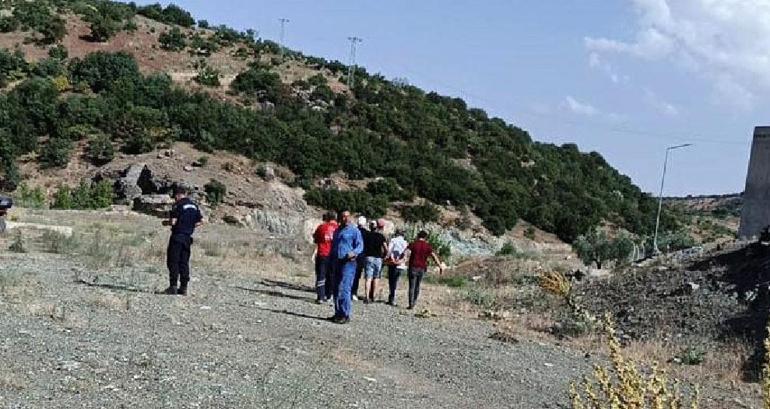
{"points": [[172, 40], [595, 247]]}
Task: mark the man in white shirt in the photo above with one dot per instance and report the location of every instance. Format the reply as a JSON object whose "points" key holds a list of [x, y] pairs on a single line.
{"points": [[396, 262]]}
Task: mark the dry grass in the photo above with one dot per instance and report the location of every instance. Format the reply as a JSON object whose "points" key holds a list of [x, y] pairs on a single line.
{"points": [[625, 385]]}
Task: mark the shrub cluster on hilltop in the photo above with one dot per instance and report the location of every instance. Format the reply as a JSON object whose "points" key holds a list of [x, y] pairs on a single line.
{"points": [[421, 142]]}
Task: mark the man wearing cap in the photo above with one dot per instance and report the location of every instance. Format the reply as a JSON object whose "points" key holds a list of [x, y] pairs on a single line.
{"points": [[396, 261], [185, 216], [348, 245], [374, 251]]}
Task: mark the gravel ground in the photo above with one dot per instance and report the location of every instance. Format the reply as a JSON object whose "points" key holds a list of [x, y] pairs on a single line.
{"points": [[70, 338]]}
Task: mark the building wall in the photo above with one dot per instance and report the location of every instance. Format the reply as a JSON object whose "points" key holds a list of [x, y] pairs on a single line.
{"points": [[755, 215]]}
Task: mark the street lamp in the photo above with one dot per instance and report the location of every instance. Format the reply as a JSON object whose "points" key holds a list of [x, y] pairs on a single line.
{"points": [[660, 196]]}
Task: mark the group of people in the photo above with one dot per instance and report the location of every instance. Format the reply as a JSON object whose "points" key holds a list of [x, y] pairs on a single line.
{"points": [[346, 250]]}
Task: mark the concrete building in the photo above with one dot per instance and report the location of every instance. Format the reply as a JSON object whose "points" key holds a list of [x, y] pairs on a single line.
{"points": [[755, 215]]}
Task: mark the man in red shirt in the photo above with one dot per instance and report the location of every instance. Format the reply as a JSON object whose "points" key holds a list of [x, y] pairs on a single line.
{"points": [[323, 237], [419, 252]]}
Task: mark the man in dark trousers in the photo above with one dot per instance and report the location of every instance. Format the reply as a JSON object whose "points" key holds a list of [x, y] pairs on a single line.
{"points": [[347, 247], [419, 252], [323, 237], [184, 218]]}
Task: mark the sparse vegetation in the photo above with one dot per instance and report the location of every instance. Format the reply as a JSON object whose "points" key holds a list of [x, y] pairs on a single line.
{"points": [[17, 245], [624, 385], [215, 192]]}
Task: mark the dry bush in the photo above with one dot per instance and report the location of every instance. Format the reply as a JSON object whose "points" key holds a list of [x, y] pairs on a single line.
{"points": [[624, 385], [556, 283]]}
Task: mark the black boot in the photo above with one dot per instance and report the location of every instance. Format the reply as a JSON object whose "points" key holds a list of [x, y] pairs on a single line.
{"points": [[171, 290], [182, 290]]}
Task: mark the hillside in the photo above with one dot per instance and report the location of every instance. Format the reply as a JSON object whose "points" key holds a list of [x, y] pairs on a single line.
{"points": [[116, 77]]}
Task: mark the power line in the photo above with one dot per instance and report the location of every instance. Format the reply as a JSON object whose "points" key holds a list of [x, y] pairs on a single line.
{"points": [[351, 66]]}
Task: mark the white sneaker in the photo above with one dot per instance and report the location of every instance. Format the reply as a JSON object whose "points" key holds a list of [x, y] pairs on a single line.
{"points": [[355, 298]]}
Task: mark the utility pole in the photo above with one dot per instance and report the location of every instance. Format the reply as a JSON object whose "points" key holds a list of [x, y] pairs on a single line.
{"points": [[283, 33], [660, 196], [351, 66]]}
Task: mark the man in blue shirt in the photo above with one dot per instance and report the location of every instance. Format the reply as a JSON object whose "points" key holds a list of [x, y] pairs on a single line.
{"points": [[184, 218], [348, 245]]}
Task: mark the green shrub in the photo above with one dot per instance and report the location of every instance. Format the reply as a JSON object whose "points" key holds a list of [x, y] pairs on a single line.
{"points": [[208, 76], [58, 52], [9, 24], [508, 249], [356, 201], [389, 188], [103, 28], [317, 80], [56, 153], [54, 242], [480, 297], [171, 14], [172, 40], [100, 149], [202, 46], [17, 245], [12, 66], [322, 93], [62, 199], [530, 233], [425, 213], [215, 192], [102, 194], [86, 195], [258, 82], [204, 24], [52, 31], [30, 198], [691, 356]]}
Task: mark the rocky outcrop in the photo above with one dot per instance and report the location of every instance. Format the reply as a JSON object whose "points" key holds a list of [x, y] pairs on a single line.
{"points": [[154, 205]]}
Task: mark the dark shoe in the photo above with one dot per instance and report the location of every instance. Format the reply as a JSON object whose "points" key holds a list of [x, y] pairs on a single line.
{"points": [[333, 318], [181, 291], [170, 291], [411, 307], [342, 320]]}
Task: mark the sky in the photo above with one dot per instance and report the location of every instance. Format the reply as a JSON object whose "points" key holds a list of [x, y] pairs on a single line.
{"points": [[624, 78]]}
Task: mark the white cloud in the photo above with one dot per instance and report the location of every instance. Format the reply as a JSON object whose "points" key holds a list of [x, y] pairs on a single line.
{"points": [[726, 42], [579, 108], [663, 107], [599, 64]]}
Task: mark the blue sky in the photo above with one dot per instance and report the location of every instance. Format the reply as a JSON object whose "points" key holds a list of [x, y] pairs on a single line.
{"points": [[625, 78]]}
